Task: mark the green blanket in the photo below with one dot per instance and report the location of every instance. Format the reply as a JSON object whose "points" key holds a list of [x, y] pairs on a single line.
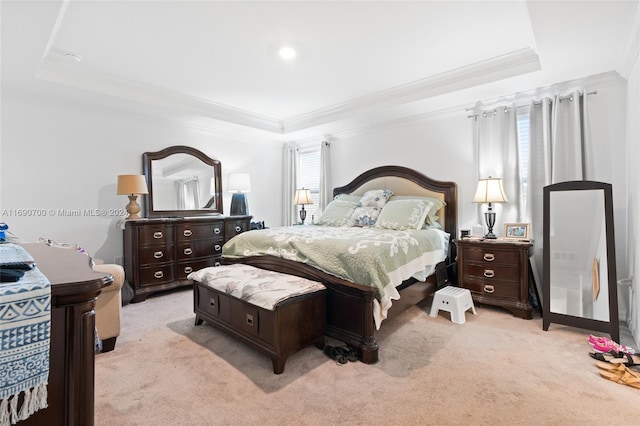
{"points": [[376, 257]]}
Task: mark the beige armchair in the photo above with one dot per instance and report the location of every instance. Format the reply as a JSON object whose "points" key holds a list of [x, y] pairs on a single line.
{"points": [[109, 307]]}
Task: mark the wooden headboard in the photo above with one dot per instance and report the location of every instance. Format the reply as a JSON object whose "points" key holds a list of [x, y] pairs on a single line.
{"points": [[406, 181]]}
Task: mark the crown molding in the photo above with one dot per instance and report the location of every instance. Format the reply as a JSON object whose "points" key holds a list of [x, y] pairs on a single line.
{"points": [[54, 70], [500, 67]]}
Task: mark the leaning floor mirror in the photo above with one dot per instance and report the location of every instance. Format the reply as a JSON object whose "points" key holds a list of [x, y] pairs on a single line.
{"points": [[579, 285]]}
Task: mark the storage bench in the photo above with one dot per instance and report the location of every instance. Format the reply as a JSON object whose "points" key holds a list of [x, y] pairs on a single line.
{"points": [[275, 313]]}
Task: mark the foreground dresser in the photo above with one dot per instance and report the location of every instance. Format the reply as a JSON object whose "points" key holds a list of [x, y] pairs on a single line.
{"points": [[496, 272], [74, 289], [160, 253]]}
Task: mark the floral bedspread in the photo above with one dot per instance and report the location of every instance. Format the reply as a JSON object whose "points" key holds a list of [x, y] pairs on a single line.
{"points": [[380, 258]]}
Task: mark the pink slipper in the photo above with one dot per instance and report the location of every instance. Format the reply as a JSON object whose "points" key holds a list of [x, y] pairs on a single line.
{"points": [[609, 345]]}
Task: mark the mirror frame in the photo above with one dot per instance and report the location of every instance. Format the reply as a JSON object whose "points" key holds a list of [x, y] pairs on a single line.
{"points": [[147, 159], [612, 326]]}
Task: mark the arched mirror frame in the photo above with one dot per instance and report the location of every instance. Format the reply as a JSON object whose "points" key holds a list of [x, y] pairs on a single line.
{"points": [[147, 165], [612, 326]]}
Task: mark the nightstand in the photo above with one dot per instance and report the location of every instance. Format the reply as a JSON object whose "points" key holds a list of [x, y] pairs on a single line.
{"points": [[496, 272]]}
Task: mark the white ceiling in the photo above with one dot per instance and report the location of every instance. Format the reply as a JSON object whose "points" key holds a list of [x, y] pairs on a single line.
{"points": [[210, 63]]}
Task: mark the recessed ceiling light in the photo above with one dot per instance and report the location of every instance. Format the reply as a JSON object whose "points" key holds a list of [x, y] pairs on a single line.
{"points": [[287, 53]]}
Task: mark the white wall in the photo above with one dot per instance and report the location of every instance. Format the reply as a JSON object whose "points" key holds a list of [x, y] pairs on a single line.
{"points": [[54, 157], [440, 147], [633, 195]]}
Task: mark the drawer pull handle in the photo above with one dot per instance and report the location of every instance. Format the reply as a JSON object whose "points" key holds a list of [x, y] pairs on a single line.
{"points": [[250, 320], [216, 264], [489, 257], [217, 247], [216, 230], [187, 232], [489, 273], [238, 228], [158, 274], [158, 254], [188, 270], [489, 289], [187, 251], [157, 235], [212, 302]]}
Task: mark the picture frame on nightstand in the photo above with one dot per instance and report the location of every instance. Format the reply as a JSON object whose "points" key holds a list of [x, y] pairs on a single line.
{"points": [[516, 231]]}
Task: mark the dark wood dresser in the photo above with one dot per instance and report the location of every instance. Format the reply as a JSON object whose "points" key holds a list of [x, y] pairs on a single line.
{"points": [[160, 253], [496, 272], [74, 289]]}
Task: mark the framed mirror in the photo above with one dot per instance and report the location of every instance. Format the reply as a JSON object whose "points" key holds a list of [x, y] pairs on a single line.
{"points": [[182, 181], [580, 285]]}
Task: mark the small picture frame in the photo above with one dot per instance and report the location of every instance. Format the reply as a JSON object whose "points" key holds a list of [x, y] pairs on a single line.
{"points": [[516, 231]]}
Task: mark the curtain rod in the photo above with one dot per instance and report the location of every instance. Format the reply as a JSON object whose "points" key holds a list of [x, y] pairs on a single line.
{"points": [[535, 103]]}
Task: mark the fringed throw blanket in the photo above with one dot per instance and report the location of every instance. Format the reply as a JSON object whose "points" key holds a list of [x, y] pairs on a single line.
{"points": [[25, 319]]}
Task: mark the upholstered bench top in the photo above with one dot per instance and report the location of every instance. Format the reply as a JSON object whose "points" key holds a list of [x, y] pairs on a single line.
{"points": [[256, 286]]}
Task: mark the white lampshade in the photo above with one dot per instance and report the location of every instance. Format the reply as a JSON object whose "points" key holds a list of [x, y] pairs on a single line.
{"points": [[239, 182], [490, 191], [302, 197], [131, 184]]}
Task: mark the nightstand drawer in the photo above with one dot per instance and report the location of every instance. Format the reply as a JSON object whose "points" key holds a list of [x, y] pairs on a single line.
{"points": [[490, 271], [490, 255], [493, 288]]}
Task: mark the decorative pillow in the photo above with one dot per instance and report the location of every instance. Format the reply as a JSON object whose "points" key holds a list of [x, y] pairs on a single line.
{"points": [[375, 198], [365, 216], [337, 213], [348, 197], [432, 217], [403, 214]]}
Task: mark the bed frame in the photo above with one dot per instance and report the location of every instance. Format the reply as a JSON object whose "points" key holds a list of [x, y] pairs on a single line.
{"points": [[350, 305]]}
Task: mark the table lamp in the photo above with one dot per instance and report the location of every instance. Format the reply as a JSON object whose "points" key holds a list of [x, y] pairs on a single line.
{"points": [[239, 184], [132, 185], [490, 191], [302, 197]]}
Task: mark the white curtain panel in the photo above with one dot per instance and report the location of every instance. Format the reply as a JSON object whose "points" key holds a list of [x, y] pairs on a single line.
{"points": [[326, 192], [188, 191], [559, 150], [497, 144], [291, 166]]}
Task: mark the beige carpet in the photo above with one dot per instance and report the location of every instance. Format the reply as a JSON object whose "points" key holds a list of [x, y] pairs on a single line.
{"points": [[494, 369]]}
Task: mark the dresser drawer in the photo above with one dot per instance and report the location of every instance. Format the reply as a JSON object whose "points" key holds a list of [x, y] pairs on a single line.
{"points": [[201, 248], [199, 231], [185, 268], [235, 227], [156, 234], [490, 255], [491, 271], [492, 288], [157, 275], [150, 255]]}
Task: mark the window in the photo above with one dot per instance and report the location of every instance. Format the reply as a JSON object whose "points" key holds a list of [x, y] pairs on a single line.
{"points": [[523, 151], [310, 178]]}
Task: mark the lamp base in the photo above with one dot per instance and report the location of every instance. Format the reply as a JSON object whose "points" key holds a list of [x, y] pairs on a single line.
{"points": [[490, 219], [303, 215], [239, 204], [133, 208]]}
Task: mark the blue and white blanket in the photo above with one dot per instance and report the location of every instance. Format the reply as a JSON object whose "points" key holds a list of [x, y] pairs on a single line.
{"points": [[25, 322]]}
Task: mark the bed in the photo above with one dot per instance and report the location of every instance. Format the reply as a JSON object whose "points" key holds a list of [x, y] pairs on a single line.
{"points": [[359, 302]]}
